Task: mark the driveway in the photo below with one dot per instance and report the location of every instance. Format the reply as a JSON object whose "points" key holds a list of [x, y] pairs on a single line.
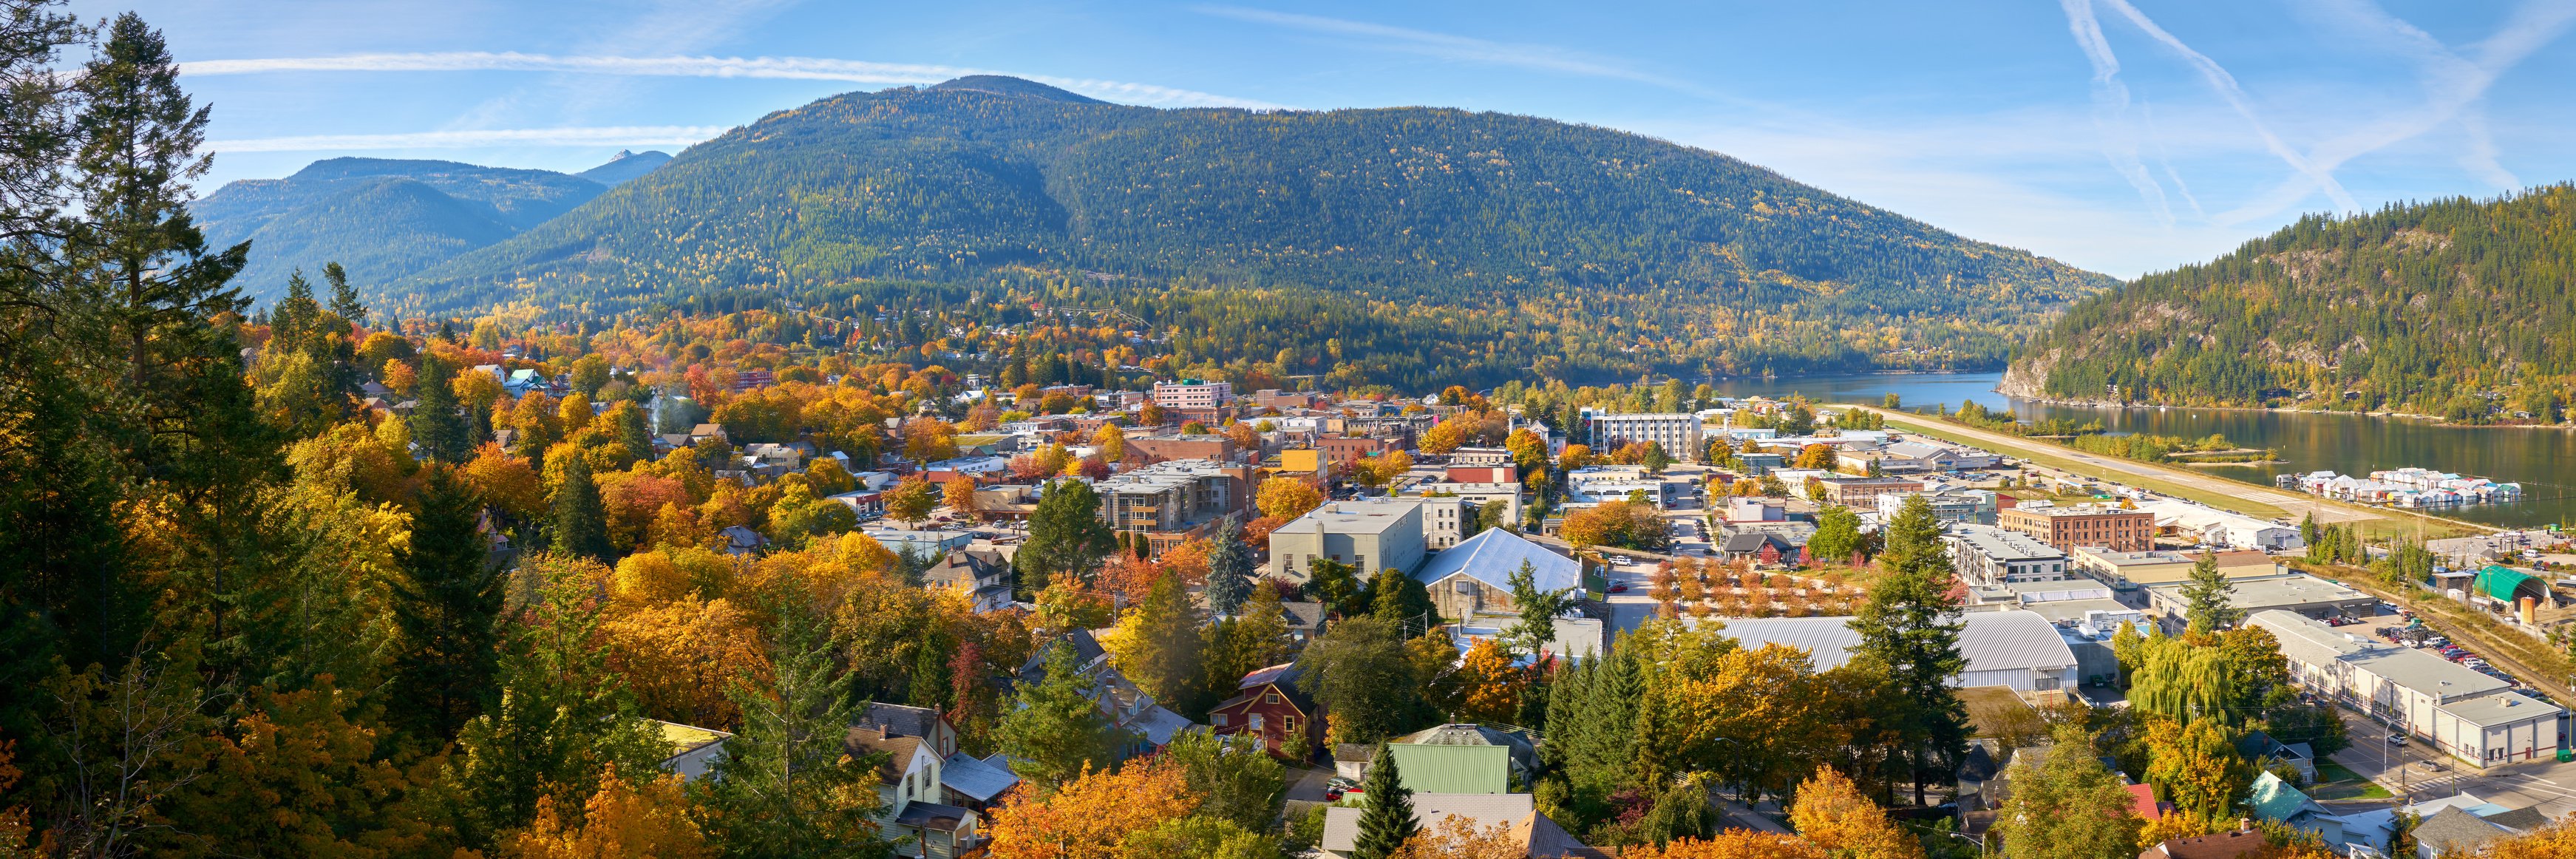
{"points": [[1307, 784]]}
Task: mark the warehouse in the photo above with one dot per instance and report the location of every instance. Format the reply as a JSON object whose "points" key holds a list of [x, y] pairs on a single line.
{"points": [[2461, 712]]}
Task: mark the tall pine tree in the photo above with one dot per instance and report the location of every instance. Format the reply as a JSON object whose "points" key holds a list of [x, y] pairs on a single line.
{"points": [[1909, 628], [1386, 815], [448, 606], [578, 525], [2209, 599], [1229, 575], [436, 425], [786, 786]]}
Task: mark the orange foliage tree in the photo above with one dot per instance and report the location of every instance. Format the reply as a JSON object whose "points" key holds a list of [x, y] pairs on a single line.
{"points": [[1730, 844], [1088, 817], [622, 819], [1832, 813]]}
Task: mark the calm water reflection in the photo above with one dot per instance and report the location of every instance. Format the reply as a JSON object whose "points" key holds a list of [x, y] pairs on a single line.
{"points": [[2544, 461]]}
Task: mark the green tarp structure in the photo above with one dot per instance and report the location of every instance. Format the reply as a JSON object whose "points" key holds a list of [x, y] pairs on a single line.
{"points": [[2507, 584], [1453, 769]]}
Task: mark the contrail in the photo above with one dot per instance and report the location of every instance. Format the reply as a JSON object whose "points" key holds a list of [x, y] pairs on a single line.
{"points": [[791, 68], [638, 135], [2111, 107], [1458, 48], [2234, 95]]}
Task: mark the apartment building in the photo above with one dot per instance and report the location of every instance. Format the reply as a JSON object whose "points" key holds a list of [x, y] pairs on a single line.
{"points": [[1678, 432], [2075, 525], [1172, 501], [1974, 506], [1987, 555], [1344, 450], [1150, 449], [1864, 491], [1192, 394]]}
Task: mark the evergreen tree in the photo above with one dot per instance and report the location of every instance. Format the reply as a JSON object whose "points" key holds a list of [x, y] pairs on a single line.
{"points": [[344, 298], [579, 524], [1052, 729], [786, 787], [1386, 815], [1361, 673], [1253, 639], [1336, 584], [1397, 598], [1168, 662], [447, 604], [1229, 576], [1538, 609], [436, 424], [2208, 597], [1910, 628], [1066, 538]]}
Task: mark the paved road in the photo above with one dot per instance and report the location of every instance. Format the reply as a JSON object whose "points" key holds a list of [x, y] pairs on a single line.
{"points": [[2406, 771], [2290, 503]]}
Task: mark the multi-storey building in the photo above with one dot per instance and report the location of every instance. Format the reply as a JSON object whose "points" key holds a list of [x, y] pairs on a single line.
{"points": [[1974, 506], [1150, 449], [1192, 394], [1987, 555], [1170, 502], [1678, 432], [1864, 491], [2075, 525], [1373, 535], [1467, 456]]}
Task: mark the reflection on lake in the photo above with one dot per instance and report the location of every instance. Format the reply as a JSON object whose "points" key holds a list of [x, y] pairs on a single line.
{"points": [[2542, 460]]}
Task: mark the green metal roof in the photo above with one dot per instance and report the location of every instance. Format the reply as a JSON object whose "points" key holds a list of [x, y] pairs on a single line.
{"points": [[2506, 583], [1453, 769], [2275, 800]]}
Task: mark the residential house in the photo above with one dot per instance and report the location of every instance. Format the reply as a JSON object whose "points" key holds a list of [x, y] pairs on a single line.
{"points": [[2233, 844], [1475, 577], [1149, 726], [909, 794], [976, 783], [1766, 547], [897, 720], [742, 541], [982, 575], [1268, 704], [1529, 832], [2456, 832], [2277, 801], [694, 750]]}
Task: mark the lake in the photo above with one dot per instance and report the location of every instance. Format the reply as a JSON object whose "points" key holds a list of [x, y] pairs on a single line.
{"points": [[2542, 460]]}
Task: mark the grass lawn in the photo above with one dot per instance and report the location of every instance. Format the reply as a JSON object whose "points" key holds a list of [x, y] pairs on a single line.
{"points": [[2046, 453], [2334, 781]]}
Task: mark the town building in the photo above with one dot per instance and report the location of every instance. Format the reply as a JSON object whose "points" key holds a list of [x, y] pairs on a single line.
{"points": [[1171, 502], [1914, 456], [1480, 456], [1988, 555], [1475, 577], [1346, 449], [981, 575], [1481, 494], [1976, 506], [2130, 571], [1601, 484], [1678, 432], [1192, 394], [2018, 649], [909, 793], [1482, 473], [1150, 449], [2300, 593], [1268, 704], [1372, 534], [1744, 509], [1864, 491], [2458, 711], [2069, 526]]}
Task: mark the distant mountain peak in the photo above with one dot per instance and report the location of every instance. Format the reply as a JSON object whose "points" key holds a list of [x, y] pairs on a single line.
{"points": [[1011, 86], [627, 164]]}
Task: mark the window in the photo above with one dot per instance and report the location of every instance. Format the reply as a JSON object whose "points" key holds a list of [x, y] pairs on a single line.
{"points": [[1271, 697], [1288, 723], [1217, 719], [1256, 721]]}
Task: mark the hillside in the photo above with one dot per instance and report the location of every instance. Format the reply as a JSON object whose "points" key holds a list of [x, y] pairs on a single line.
{"points": [[626, 165], [1429, 240], [384, 219], [2458, 308]]}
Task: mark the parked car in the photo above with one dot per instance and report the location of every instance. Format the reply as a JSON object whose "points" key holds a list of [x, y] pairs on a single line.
{"points": [[1618, 589], [2396, 739]]}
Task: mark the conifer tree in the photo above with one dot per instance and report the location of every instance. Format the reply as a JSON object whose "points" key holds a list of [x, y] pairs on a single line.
{"points": [[1910, 628], [1052, 729], [1168, 662], [1066, 538], [436, 425], [447, 603], [2208, 597], [786, 786], [1386, 818], [579, 524], [1229, 576]]}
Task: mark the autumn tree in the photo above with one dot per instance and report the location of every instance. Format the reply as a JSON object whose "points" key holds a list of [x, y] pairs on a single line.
{"points": [[1232, 776], [2196, 765], [1163, 654], [1491, 684], [1287, 498], [1359, 671], [1092, 813], [630, 815], [447, 604], [958, 493], [1832, 814], [911, 500], [2068, 806]]}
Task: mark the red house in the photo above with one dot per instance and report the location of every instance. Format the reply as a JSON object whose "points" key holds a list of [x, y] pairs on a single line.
{"points": [[1268, 703]]}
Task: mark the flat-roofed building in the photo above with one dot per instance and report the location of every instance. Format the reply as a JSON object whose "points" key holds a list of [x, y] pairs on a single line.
{"points": [[1480, 494], [1170, 502], [1678, 432], [1346, 449], [2462, 712], [1954, 505], [1150, 449], [1488, 456], [1864, 491], [2301, 593], [1987, 555], [2069, 526], [1192, 394], [2012, 648], [1372, 534]]}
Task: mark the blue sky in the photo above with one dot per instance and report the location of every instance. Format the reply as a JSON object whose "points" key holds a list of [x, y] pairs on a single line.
{"points": [[2120, 135]]}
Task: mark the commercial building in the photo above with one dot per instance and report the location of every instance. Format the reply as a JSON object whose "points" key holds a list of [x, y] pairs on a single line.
{"points": [[1150, 449], [2075, 525], [1910, 456], [1446, 520], [2130, 571], [2299, 593], [2458, 711], [1483, 473], [1480, 494], [1372, 534], [1475, 577], [1192, 394], [1171, 501], [1864, 491], [1480, 456], [1679, 433], [2012, 648], [1344, 449], [1988, 555], [1975, 506], [1585, 487]]}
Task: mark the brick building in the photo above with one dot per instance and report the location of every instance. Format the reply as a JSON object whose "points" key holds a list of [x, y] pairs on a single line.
{"points": [[2075, 525], [1150, 449]]}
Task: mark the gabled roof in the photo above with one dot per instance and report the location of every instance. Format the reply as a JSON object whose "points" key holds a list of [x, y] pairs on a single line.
{"points": [[2457, 831], [898, 751], [2275, 800], [967, 775], [1493, 555], [1283, 673], [899, 720], [2142, 799]]}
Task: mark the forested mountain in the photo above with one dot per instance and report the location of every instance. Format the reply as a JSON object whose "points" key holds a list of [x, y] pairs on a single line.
{"points": [[382, 218], [2460, 308], [1411, 244], [626, 165]]}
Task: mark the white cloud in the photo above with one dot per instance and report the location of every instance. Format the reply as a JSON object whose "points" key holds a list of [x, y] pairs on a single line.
{"points": [[635, 135], [789, 68], [1445, 46]]}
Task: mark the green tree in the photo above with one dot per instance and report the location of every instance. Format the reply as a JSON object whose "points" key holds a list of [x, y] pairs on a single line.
{"points": [[1233, 777], [1051, 727], [1229, 575], [786, 786], [1538, 610], [1255, 638], [2068, 806], [1336, 584], [2208, 597], [1168, 662], [1837, 535], [912, 500], [1910, 627], [578, 525], [436, 424], [447, 604], [1386, 814], [1396, 597], [1360, 672], [1066, 537]]}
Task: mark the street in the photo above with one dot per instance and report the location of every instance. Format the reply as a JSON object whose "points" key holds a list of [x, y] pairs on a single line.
{"points": [[2406, 771]]}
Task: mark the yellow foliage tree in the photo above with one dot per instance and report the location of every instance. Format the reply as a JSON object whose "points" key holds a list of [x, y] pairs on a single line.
{"points": [[1730, 844], [1090, 816], [1287, 498], [1489, 684], [679, 656], [1833, 814], [1458, 837], [621, 820]]}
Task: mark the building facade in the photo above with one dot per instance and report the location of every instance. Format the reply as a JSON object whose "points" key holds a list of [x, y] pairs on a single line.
{"points": [[2084, 525], [1175, 497], [1678, 432], [2458, 711], [1987, 555], [1193, 394], [1372, 534]]}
